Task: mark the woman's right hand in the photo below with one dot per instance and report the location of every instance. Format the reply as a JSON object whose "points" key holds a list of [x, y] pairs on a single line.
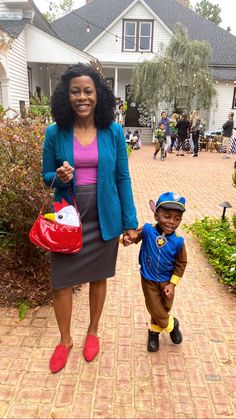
{"points": [[65, 172]]}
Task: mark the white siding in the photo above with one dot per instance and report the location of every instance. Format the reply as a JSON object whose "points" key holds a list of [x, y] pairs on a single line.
{"points": [[6, 13], [218, 115], [44, 48], [106, 49], [17, 72], [16, 12]]}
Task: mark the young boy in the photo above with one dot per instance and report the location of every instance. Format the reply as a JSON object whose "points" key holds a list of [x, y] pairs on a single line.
{"points": [[162, 261], [160, 135]]}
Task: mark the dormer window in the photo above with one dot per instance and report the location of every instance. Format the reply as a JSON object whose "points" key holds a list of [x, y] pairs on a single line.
{"points": [[137, 35]]}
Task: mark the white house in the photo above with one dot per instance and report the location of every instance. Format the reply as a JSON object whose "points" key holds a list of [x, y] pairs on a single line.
{"points": [[122, 33], [118, 33], [32, 56]]}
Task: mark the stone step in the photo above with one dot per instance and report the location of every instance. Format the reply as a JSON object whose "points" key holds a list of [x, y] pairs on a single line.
{"points": [[145, 133]]}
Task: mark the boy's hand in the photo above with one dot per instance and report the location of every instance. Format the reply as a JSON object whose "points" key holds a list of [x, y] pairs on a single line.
{"points": [[129, 237], [169, 290]]}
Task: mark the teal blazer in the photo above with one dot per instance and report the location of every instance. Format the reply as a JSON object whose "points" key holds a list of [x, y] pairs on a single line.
{"points": [[116, 210]]}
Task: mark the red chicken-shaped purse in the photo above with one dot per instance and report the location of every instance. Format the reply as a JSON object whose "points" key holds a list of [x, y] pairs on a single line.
{"points": [[60, 231]]}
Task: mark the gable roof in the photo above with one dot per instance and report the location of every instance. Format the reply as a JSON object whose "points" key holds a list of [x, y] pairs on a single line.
{"points": [[99, 14], [14, 27], [40, 22]]}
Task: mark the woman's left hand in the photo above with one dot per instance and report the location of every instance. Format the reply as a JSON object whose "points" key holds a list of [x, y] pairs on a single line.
{"points": [[129, 236]]}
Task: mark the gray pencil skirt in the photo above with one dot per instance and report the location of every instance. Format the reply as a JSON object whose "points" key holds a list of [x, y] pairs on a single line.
{"points": [[97, 259]]}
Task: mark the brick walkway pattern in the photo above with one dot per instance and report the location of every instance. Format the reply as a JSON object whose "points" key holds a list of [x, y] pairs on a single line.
{"points": [[196, 379]]}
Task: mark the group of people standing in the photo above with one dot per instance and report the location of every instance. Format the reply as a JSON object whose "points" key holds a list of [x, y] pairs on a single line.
{"points": [[172, 131]]}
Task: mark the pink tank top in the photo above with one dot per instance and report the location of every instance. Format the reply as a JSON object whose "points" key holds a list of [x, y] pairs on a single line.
{"points": [[86, 162]]}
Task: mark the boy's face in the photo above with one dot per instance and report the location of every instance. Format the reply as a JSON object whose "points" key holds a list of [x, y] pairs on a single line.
{"points": [[168, 219]]}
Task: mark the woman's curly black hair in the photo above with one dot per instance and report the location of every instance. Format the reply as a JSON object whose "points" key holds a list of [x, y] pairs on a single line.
{"points": [[60, 104]]}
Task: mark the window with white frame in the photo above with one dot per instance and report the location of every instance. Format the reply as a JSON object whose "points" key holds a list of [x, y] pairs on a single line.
{"points": [[137, 35]]}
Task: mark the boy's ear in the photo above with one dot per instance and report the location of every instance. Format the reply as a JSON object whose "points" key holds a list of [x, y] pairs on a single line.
{"points": [[152, 205]]}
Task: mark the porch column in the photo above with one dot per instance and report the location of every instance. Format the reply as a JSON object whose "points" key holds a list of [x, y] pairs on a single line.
{"points": [[116, 82], [49, 82], [6, 97]]}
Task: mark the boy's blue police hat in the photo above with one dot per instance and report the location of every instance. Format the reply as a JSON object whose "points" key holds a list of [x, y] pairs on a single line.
{"points": [[170, 200]]}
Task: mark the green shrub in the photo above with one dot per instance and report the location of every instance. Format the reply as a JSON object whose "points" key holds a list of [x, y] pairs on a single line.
{"points": [[39, 108], [21, 196], [234, 178], [218, 240]]}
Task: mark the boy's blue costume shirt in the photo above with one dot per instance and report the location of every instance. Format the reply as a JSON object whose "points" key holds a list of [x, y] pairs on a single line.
{"points": [[158, 254]]}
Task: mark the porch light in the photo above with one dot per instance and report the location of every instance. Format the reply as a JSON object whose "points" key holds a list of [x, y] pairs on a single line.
{"points": [[225, 205], [88, 28]]}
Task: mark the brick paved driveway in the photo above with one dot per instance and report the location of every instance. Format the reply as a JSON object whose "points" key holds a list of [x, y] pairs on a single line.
{"points": [[194, 380]]}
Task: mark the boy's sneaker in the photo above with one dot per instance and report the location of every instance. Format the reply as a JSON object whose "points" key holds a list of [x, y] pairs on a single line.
{"points": [[153, 341], [175, 334], [162, 158]]}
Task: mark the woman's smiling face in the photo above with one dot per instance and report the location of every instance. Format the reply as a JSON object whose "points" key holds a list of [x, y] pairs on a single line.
{"points": [[82, 96]]}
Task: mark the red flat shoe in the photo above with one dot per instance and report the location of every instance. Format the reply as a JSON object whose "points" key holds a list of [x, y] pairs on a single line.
{"points": [[59, 357], [91, 347]]}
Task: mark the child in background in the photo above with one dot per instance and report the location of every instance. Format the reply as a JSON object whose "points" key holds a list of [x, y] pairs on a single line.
{"points": [[162, 261], [160, 136]]}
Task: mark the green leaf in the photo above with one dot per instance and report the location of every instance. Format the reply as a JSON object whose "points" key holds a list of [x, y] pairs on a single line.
{"points": [[23, 307]]}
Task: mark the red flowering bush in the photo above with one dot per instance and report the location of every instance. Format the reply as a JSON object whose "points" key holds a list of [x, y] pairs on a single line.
{"points": [[24, 267]]}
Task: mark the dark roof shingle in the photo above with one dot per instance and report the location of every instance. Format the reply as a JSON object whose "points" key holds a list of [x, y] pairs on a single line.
{"points": [[13, 28]]}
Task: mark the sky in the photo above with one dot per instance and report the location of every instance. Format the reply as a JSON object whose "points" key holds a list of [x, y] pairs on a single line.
{"points": [[228, 10]]}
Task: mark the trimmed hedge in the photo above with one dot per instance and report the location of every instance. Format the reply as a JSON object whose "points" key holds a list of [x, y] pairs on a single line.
{"points": [[217, 238]]}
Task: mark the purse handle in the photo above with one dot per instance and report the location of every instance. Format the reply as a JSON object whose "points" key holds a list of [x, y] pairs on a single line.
{"points": [[48, 193]]}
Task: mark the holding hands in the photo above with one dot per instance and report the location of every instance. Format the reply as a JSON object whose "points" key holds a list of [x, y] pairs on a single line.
{"points": [[65, 172], [130, 237]]}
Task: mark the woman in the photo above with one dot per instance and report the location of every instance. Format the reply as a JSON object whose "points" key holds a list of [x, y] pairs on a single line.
{"points": [[87, 150], [183, 126]]}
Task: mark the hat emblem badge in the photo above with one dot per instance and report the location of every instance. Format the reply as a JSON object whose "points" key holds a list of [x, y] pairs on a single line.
{"points": [[176, 197]]}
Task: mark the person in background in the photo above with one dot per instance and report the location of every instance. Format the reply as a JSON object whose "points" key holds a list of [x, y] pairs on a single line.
{"points": [[195, 130], [174, 131], [183, 126], [86, 151], [160, 141], [194, 116], [162, 260], [228, 127], [166, 121]]}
